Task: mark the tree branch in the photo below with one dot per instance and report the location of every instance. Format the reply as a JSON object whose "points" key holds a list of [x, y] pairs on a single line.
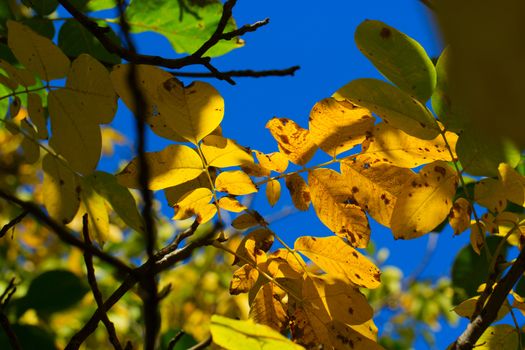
{"points": [[4, 321], [242, 73], [479, 324], [64, 233], [12, 223], [92, 280]]}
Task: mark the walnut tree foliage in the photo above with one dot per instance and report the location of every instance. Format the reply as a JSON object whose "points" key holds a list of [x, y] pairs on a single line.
{"points": [[80, 246]]}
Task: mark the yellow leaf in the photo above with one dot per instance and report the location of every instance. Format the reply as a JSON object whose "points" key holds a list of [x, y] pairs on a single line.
{"points": [[393, 146], [340, 260], [514, 184], [424, 202], [194, 111], [196, 202], [254, 169], [234, 182], [61, 190], [273, 191], [252, 245], [293, 141], [375, 187], [36, 53], [75, 135], [111, 138], [336, 207], [459, 216], [337, 126], [507, 221], [149, 79], [243, 280], [467, 308], [490, 193], [221, 152], [173, 165], [245, 221], [36, 113], [95, 206], [93, 91], [19, 75], [29, 144], [501, 336], [266, 308], [174, 193], [299, 191], [275, 161], [231, 204]]}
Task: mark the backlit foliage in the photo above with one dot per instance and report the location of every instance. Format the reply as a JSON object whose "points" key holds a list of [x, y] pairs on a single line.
{"points": [[391, 160]]}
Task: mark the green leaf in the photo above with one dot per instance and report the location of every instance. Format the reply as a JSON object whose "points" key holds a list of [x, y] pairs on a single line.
{"points": [[42, 7], [42, 26], [480, 155], [186, 27], [186, 341], [118, 197], [470, 270], [29, 337], [4, 103], [99, 5], [52, 291], [239, 335], [74, 40], [393, 105], [401, 59]]}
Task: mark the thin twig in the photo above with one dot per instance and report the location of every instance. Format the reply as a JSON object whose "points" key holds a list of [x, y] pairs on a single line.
{"points": [[4, 321], [12, 223], [92, 280], [202, 345], [64, 233], [245, 73], [245, 29], [175, 339], [149, 283]]}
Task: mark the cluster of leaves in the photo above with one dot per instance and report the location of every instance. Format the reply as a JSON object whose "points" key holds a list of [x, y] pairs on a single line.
{"points": [[399, 164]]}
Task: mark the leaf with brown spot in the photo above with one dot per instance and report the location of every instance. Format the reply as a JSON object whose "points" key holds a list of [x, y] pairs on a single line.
{"points": [[293, 141], [424, 202], [336, 207], [299, 191], [267, 308], [340, 260], [337, 126], [390, 145], [256, 242], [275, 161], [244, 221], [375, 187], [231, 204], [490, 193], [459, 217], [243, 279]]}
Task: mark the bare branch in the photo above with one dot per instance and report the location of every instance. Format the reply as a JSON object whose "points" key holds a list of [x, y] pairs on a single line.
{"points": [[12, 223], [245, 73], [92, 280], [245, 29], [64, 233], [4, 321]]}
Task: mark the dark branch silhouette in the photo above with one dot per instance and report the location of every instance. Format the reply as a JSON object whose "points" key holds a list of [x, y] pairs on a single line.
{"points": [[13, 223]]}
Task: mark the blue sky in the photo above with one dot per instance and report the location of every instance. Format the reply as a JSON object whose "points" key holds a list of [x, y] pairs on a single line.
{"points": [[318, 36]]}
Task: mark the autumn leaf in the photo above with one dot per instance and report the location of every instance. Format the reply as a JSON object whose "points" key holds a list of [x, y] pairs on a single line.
{"points": [[336, 207], [221, 152], [243, 279], [513, 183], [299, 191], [490, 193], [294, 142], [35, 110], [253, 244], [19, 75], [266, 308], [172, 166], [502, 336], [231, 204], [459, 216], [273, 191], [29, 145], [375, 187], [95, 207], [235, 182], [339, 260], [425, 201], [337, 126], [194, 111], [393, 146], [275, 161], [174, 193], [196, 202]]}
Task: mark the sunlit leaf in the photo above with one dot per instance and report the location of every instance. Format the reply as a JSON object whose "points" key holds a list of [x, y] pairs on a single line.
{"points": [[425, 201], [490, 193], [273, 191], [514, 184], [266, 308], [194, 111], [459, 216], [119, 197], [195, 202], [293, 141], [337, 126], [336, 207], [61, 189], [173, 165], [243, 279], [95, 206], [37, 53], [255, 243], [502, 336], [477, 236], [231, 204], [339, 260], [189, 26], [275, 161], [299, 191], [74, 134], [467, 308], [393, 105], [393, 146], [375, 187], [235, 182], [174, 193], [221, 152], [240, 335]]}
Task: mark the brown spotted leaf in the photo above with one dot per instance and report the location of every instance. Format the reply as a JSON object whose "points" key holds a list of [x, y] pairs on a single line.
{"points": [[336, 207], [490, 193], [243, 279], [459, 217], [267, 308], [299, 191], [337, 126], [375, 187], [425, 201], [293, 141], [253, 244], [275, 161]]}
